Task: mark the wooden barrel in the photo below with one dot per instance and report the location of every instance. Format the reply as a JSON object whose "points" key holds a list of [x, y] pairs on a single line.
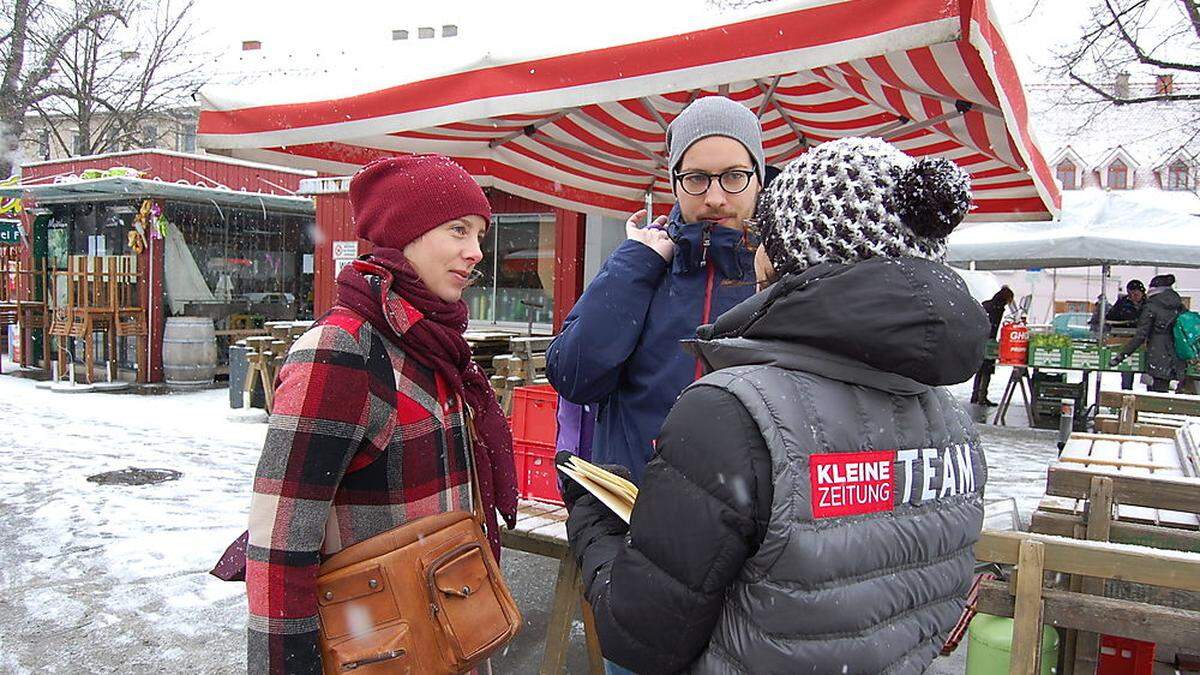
{"points": [[189, 351]]}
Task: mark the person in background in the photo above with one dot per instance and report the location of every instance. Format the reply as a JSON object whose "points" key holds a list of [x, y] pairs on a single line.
{"points": [[1126, 311], [994, 308], [619, 346], [751, 550], [369, 427], [1155, 329]]}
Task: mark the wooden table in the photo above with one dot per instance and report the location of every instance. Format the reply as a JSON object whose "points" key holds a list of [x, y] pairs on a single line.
{"points": [[542, 530]]}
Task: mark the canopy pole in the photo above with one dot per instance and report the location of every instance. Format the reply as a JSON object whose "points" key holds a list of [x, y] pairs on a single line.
{"points": [[530, 129], [768, 96], [1105, 270], [770, 100], [1053, 290], [649, 207]]}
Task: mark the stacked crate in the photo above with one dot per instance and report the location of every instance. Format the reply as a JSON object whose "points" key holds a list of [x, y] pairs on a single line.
{"points": [[486, 346], [524, 366], [535, 433]]}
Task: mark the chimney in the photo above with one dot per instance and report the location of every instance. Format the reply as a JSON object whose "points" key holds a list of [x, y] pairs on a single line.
{"points": [[251, 45], [1121, 85], [1164, 84]]}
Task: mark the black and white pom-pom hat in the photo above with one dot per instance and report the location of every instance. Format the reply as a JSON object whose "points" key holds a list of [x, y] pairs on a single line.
{"points": [[857, 198]]}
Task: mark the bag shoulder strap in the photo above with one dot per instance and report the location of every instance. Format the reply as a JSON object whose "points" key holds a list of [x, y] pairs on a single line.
{"points": [[476, 496]]}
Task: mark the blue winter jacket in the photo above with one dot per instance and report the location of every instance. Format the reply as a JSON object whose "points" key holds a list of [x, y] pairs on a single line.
{"points": [[619, 346]]}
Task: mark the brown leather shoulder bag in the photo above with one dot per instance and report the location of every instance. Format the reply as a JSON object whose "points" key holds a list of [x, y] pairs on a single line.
{"points": [[425, 597]]}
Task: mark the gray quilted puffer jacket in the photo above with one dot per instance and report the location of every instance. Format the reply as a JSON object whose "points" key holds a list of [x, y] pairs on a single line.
{"points": [[815, 499]]}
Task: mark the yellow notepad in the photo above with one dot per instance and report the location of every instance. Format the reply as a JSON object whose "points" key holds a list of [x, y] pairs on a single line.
{"points": [[612, 490]]}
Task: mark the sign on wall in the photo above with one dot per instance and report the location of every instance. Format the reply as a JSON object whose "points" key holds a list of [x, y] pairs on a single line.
{"points": [[10, 232], [343, 253]]}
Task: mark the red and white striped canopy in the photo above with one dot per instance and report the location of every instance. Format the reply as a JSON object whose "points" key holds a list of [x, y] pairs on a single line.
{"points": [[584, 130]]}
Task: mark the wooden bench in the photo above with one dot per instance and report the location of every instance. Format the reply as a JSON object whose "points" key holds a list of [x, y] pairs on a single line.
{"points": [[542, 530]]}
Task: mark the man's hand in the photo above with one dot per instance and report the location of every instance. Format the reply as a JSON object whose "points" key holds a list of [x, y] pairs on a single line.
{"points": [[655, 235]]}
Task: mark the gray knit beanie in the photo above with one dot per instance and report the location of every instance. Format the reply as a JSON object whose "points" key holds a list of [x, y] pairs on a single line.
{"points": [[857, 198], [715, 116]]}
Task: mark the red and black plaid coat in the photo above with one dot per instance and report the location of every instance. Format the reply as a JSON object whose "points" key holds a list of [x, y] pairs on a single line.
{"points": [[345, 395]]}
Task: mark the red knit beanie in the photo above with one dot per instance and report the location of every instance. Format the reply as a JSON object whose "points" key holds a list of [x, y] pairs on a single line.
{"points": [[398, 199]]}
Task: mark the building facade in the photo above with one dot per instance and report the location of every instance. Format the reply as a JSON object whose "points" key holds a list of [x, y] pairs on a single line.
{"points": [[57, 137]]}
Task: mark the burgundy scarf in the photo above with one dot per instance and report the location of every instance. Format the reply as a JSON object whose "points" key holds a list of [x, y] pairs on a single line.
{"points": [[436, 341]]}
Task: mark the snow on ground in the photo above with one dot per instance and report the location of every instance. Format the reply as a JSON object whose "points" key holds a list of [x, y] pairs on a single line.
{"points": [[107, 574], [107, 578]]}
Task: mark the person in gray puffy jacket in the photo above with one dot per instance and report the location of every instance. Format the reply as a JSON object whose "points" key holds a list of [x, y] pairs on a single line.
{"points": [[1156, 330], [814, 498]]}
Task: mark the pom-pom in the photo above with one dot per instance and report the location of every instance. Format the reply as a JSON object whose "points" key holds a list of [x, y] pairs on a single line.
{"points": [[933, 196]]}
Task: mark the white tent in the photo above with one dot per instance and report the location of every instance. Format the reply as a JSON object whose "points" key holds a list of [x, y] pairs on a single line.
{"points": [[1097, 228], [982, 285]]}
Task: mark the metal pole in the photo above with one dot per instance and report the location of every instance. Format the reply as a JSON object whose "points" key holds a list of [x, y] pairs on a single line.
{"points": [[1105, 269], [649, 206], [1066, 422]]}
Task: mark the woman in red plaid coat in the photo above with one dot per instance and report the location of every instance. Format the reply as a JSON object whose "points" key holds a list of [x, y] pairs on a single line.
{"points": [[368, 428]]}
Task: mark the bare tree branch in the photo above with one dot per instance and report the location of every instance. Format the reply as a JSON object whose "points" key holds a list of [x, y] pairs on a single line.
{"points": [[1142, 56], [1191, 9], [119, 78]]}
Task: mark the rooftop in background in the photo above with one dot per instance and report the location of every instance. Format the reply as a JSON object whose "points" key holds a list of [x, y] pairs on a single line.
{"points": [[178, 167], [1149, 132]]}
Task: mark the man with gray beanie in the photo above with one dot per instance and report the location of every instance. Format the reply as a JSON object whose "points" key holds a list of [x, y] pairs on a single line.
{"points": [[619, 346]]}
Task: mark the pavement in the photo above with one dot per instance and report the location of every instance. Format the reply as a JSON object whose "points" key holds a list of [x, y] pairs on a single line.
{"points": [[109, 578]]}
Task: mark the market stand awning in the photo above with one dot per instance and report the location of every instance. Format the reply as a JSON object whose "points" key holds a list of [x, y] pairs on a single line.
{"points": [[584, 129], [109, 189], [1097, 228]]}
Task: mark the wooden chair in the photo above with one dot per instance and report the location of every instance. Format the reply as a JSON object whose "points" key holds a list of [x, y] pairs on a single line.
{"points": [[93, 305], [129, 316], [32, 311], [101, 296], [1031, 604]]}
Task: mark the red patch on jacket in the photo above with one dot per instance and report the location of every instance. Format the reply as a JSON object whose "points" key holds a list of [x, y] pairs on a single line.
{"points": [[851, 483]]}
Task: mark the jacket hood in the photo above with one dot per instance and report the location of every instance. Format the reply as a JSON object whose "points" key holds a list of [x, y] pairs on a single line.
{"points": [[899, 324], [1167, 298]]}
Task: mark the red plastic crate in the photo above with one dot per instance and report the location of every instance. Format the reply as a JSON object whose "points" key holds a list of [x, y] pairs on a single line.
{"points": [[535, 414], [539, 478], [1125, 656]]}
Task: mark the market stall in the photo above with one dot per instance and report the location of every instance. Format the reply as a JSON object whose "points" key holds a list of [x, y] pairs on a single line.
{"points": [[124, 257], [1096, 228], [576, 120]]}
